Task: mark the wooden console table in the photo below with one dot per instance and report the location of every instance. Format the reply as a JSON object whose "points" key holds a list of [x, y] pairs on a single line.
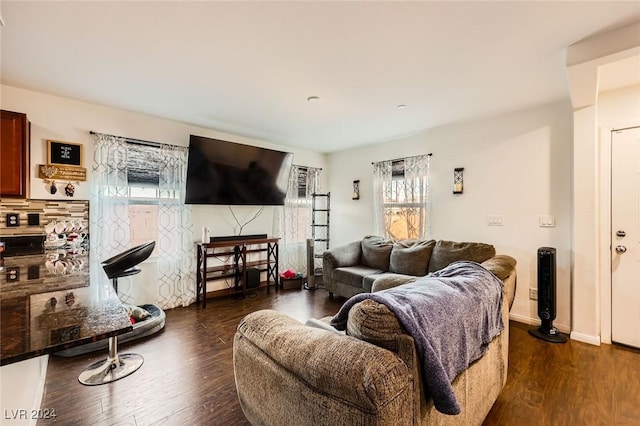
{"points": [[237, 250]]}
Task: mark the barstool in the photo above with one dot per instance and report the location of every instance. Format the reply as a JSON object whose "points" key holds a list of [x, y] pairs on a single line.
{"points": [[117, 366]]}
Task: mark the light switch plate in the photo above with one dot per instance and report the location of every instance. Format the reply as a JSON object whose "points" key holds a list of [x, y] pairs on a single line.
{"points": [[495, 221], [547, 221], [33, 219]]}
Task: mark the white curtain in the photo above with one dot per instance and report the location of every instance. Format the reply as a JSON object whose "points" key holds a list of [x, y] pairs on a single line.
{"points": [[168, 276], [109, 229], [416, 170], [401, 197], [381, 174], [292, 222], [176, 265]]}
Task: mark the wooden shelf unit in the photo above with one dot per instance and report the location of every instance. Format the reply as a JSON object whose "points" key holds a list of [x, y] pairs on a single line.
{"points": [[240, 253]]}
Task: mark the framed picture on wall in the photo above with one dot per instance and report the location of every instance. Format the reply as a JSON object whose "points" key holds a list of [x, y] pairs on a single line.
{"points": [[64, 153]]}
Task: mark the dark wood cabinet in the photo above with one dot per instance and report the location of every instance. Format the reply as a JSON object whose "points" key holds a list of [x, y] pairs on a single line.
{"points": [[14, 155]]}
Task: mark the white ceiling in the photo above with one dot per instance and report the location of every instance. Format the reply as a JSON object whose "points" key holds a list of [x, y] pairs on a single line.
{"points": [[248, 67]]}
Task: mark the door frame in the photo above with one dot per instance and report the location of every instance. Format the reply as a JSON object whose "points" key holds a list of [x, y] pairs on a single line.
{"points": [[604, 211]]}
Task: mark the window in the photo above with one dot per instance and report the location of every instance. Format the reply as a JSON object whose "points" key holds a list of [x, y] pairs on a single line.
{"points": [[144, 163], [401, 197]]}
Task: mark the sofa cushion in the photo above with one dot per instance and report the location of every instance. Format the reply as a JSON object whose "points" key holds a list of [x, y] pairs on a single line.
{"points": [[501, 265], [367, 281], [373, 322], [411, 257], [446, 252], [354, 275], [376, 252], [389, 280]]}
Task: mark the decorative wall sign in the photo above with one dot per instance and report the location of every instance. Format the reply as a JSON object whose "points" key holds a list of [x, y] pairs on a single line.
{"points": [[64, 153], [58, 172]]}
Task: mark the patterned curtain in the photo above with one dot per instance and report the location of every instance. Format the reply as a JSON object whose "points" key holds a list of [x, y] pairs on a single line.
{"points": [[416, 173], [168, 276], [176, 251], [292, 222], [381, 174], [109, 206], [401, 197]]}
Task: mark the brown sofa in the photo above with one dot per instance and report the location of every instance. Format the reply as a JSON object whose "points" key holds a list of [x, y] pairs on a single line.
{"points": [[375, 263], [288, 373]]}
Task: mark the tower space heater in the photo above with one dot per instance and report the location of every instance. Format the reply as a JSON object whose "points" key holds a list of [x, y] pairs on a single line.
{"points": [[547, 297], [311, 278]]}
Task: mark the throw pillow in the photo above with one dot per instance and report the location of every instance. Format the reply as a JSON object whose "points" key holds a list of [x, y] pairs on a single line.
{"points": [[136, 312], [446, 252], [501, 265], [376, 252], [411, 257]]}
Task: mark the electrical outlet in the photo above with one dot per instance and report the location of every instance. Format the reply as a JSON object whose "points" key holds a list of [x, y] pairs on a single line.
{"points": [[12, 220], [533, 293]]}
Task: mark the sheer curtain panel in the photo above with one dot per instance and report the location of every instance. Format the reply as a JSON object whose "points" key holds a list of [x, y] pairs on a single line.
{"points": [[292, 222], [137, 196], [401, 197]]}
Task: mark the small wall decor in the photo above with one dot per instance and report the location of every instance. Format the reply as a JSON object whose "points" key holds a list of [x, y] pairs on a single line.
{"points": [[64, 153], [52, 186], [64, 162], [356, 190], [49, 172], [458, 180], [69, 190]]}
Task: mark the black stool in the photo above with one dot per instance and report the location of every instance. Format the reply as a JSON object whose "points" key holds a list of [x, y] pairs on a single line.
{"points": [[117, 366]]}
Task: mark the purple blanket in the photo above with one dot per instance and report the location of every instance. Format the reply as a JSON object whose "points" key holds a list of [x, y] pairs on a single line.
{"points": [[452, 314]]}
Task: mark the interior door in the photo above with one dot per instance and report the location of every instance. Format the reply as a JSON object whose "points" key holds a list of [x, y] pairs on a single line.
{"points": [[625, 236]]}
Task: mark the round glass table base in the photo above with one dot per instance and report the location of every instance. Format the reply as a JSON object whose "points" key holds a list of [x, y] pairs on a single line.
{"points": [[111, 369]]}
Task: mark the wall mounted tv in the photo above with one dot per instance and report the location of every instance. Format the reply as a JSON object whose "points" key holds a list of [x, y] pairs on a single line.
{"points": [[228, 173]]}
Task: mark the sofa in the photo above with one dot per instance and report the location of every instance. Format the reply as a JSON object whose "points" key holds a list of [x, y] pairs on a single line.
{"points": [[375, 263], [289, 373]]}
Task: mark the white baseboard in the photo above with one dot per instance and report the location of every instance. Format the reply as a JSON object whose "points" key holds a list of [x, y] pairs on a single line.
{"points": [[536, 321], [586, 338]]}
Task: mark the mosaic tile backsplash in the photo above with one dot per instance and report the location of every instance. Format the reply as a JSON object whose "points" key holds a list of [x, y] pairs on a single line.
{"points": [[18, 217]]}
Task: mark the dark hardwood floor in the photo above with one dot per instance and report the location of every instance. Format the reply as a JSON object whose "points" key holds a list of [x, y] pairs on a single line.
{"points": [[187, 377]]}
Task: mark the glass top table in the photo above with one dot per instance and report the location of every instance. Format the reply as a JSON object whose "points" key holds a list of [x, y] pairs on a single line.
{"points": [[48, 303]]}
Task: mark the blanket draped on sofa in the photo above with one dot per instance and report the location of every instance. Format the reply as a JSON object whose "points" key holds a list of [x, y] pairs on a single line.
{"points": [[452, 315]]}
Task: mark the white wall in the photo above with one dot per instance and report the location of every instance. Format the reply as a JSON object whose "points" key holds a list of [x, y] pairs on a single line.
{"points": [[21, 389], [616, 109], [54, 117], [586, 61], [517, 165], [619, 108]]}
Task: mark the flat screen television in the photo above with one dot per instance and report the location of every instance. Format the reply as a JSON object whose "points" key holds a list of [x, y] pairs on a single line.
{"points": [[229, 173]]}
